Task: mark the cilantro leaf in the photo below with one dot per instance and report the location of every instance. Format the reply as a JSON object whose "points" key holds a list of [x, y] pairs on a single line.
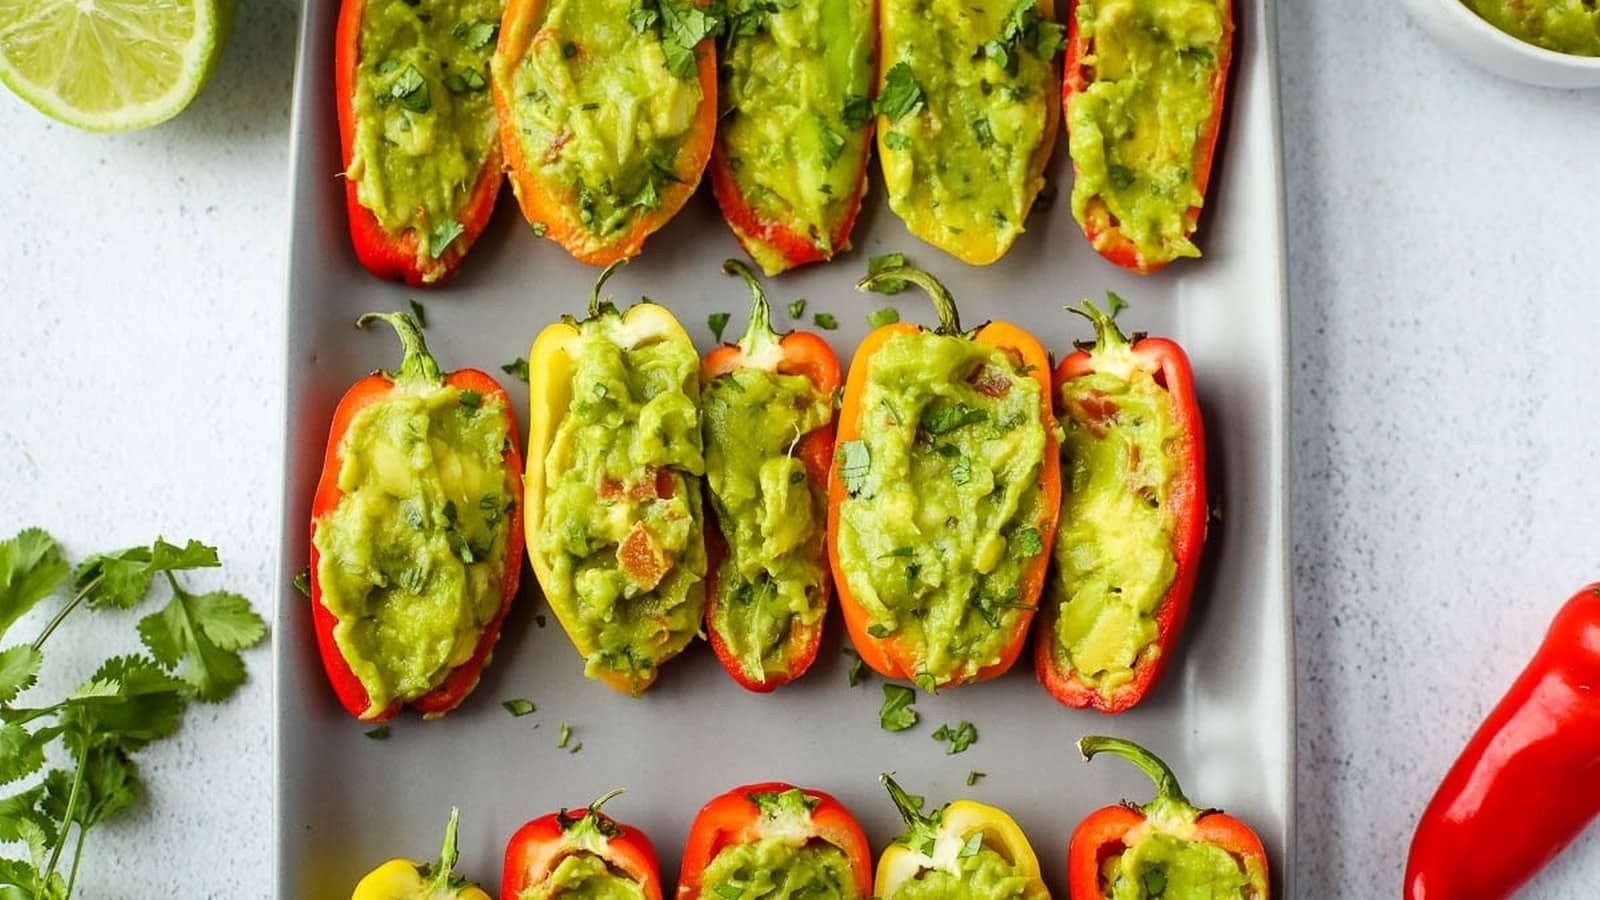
{"points": [[857, 666], [825, 321], [302, 582], [887, 261], [972, 846], [832, 143], [878, 318], [797, 308], [129, 701], [204, 632], [518, 707], [439, 240], [22, 751], [122, 579], [517, 368], [31, 569], [901, 95], [857, 111], [946, 419], [960, 737], [479, 34], [381, 733], [1026, 543], [19, 670], [683, 26], [897, 712], [411, 91], [855, 464], [894, 140]]}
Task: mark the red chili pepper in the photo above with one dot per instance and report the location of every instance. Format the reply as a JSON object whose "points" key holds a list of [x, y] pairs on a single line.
{"points": [[1525, 785], [795, 353], [386, 254], [418, 371], [747, 814], [1166, 362], [539, 846], [1111, 831]]}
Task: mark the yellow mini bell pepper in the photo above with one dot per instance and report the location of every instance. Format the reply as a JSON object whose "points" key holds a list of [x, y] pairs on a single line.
{"points": [[615, 528], [963, 843], [404, 879]]}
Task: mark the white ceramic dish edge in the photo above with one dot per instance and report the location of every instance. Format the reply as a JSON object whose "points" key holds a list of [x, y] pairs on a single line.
{"points": [[1462, 31]]}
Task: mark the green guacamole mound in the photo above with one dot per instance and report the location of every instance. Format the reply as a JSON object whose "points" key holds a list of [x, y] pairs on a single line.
{"points": [[412, 560], [584, 876], [1134, 131], [1113, 550], [424, 119], [1565, 26], [943, 512], [984, 875], [1169, 868], [626, 460], [770, 513], [794, 88], [775, 868]]}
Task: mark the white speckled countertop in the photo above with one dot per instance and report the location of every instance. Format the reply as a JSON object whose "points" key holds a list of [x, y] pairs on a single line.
{"points": [[1446, 413]]}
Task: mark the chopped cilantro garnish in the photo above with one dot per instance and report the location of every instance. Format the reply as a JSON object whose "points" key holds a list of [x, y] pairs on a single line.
{"points": [[897, 712]]}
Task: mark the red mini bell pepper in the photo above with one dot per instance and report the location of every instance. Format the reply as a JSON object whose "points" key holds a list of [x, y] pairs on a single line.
{"points": [[418, 372], [1105, 835], [404, 255], [795, 353], [747, 814], [1168, 365], [1525, 785], [539, 847]]}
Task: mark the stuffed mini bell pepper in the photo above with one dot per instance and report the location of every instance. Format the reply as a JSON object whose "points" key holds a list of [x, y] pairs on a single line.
{"points": [[404, 879], [416, 543], [1144, 89], [944, 493], [790, 162], [965, 849], [580, 853], [607, 112], [967, 118], [1167, 848], [421, 147], [768, 426], [615, 528], [1133, 513], [775, 840]]}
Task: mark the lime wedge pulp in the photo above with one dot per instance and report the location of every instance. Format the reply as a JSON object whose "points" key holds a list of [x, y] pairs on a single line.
{"points": [[110, 65]]}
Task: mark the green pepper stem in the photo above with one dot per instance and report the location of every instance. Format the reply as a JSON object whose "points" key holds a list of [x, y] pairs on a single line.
{"points": [[758, 335], [599, 283], [444, 869], [943, 303], [909, 811], [1168, 793], [417, 364], [1107, 336]]}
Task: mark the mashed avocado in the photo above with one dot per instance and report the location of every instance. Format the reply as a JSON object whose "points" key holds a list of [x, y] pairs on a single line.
{"points": [[412, 560], [1133, 132], [1169, 868], [769, 511], [622, 519], [584, 876], [602, 105], [1565, 26], [943, 513], [796, 77], [968, 106], [774, 868], [983, 875], [1113, 550], [424, 120]]}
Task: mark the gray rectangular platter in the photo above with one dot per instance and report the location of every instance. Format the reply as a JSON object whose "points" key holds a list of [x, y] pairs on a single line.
{"points": [[1223, 716]]}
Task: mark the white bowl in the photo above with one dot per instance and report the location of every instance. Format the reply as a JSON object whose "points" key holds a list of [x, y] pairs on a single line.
{"points": [[1460, 29]]}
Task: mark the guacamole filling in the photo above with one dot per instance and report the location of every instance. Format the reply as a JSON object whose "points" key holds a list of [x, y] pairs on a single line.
{"points": [[584, 876], [967, 99], [976, 873], [424, 120], [943, 514], [1113, 552], [776, 868], [603, 104], [771, 515], [412, 560], [795, 82], [1162, 866], [1135, 130], [622, 519], [1565, 26]]}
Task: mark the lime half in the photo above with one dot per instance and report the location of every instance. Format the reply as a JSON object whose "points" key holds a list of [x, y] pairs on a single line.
{"points": [[111, 65]]}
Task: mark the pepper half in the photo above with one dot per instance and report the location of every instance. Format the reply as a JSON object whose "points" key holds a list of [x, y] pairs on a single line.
{"points": [[394, 581], [615, 525], [584, 852], [962, 843], [1153, 152], [1136, 852], [396, 111], [758, 823], [1008, 497], [604, 139], [1524, 786], [404, 879], [769, 491], [1127, 557]]}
